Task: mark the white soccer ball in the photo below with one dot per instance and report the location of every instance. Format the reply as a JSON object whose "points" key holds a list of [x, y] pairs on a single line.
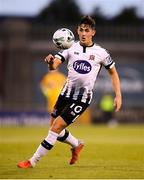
{"points": [[63, 38]]}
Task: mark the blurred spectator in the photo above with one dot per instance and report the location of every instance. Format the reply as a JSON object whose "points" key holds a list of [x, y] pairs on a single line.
{"points": [[51, 85]]}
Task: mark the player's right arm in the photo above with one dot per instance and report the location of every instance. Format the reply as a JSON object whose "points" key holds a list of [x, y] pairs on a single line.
{"points": [[53, 62], [110, 66], [116, 85]]}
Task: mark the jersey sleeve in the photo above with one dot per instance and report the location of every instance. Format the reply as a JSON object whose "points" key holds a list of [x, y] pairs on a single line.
{"points": [[107, 61], [62, 55]]}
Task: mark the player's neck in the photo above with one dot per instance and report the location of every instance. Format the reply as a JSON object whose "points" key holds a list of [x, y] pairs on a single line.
{"points": [[87, 44]]}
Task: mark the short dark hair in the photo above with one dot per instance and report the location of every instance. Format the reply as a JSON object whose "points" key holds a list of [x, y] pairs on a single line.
{"points": [[88, 20]]}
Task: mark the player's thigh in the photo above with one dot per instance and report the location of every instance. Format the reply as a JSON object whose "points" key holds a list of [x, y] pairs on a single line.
{"points": [[59, 106], [72, 111]]}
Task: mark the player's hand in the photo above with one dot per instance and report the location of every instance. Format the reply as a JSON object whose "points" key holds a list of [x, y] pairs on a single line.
{"points": [[117, 103], [49, 59]]}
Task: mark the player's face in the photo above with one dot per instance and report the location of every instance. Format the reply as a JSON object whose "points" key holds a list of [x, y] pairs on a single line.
{"points": [[86, 34]]}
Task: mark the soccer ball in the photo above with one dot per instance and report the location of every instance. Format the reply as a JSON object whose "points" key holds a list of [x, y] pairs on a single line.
{"points": [[63, 38]]}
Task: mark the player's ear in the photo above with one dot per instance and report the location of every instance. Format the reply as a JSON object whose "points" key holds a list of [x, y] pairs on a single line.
{"points": [[94, 32]]}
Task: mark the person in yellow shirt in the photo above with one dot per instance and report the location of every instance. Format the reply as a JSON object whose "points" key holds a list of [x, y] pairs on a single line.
{"points": [[51, 85]]}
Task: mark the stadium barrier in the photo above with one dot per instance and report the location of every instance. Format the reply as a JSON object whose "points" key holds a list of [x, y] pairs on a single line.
{"points": [[24, 118]]}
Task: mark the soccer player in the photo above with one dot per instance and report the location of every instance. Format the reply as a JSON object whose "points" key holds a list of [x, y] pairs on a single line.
{"points": [[85, 59]]}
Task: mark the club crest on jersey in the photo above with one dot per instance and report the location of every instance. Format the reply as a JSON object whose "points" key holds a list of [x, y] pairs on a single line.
{"points": [[82, 67], [92, 57], [108, 59]]}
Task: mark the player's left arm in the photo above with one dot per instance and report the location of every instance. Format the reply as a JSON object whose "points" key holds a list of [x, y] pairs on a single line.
{"points": [[116, 85]]}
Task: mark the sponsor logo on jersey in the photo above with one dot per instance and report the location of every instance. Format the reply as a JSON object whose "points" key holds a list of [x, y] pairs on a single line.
{"points": [[82, 67], [77, 53]]}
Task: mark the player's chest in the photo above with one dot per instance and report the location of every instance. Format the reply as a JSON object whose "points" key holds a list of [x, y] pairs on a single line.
{"points": [[84, 63], [89, 56]]}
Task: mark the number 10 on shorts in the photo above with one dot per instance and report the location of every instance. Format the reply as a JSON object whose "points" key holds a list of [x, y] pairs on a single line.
{"points": [[76, 108]]}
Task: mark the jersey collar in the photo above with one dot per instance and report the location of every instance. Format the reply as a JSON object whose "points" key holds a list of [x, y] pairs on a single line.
{"points": [[87, 46], [84, 47]]}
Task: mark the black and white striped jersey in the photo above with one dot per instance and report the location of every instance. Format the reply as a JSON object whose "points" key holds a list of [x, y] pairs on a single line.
{"points": [[84, 64]]}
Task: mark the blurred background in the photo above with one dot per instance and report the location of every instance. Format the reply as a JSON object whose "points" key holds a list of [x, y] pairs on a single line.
{"points": [[26, 29]]}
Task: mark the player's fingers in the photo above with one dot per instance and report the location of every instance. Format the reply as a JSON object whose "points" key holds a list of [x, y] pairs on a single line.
{"points": [[45, 60], [117, 105], [117, 109], [49, 58]]}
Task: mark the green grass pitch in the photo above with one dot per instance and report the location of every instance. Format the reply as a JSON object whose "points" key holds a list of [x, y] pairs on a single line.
{"points": [[108, 153]]}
